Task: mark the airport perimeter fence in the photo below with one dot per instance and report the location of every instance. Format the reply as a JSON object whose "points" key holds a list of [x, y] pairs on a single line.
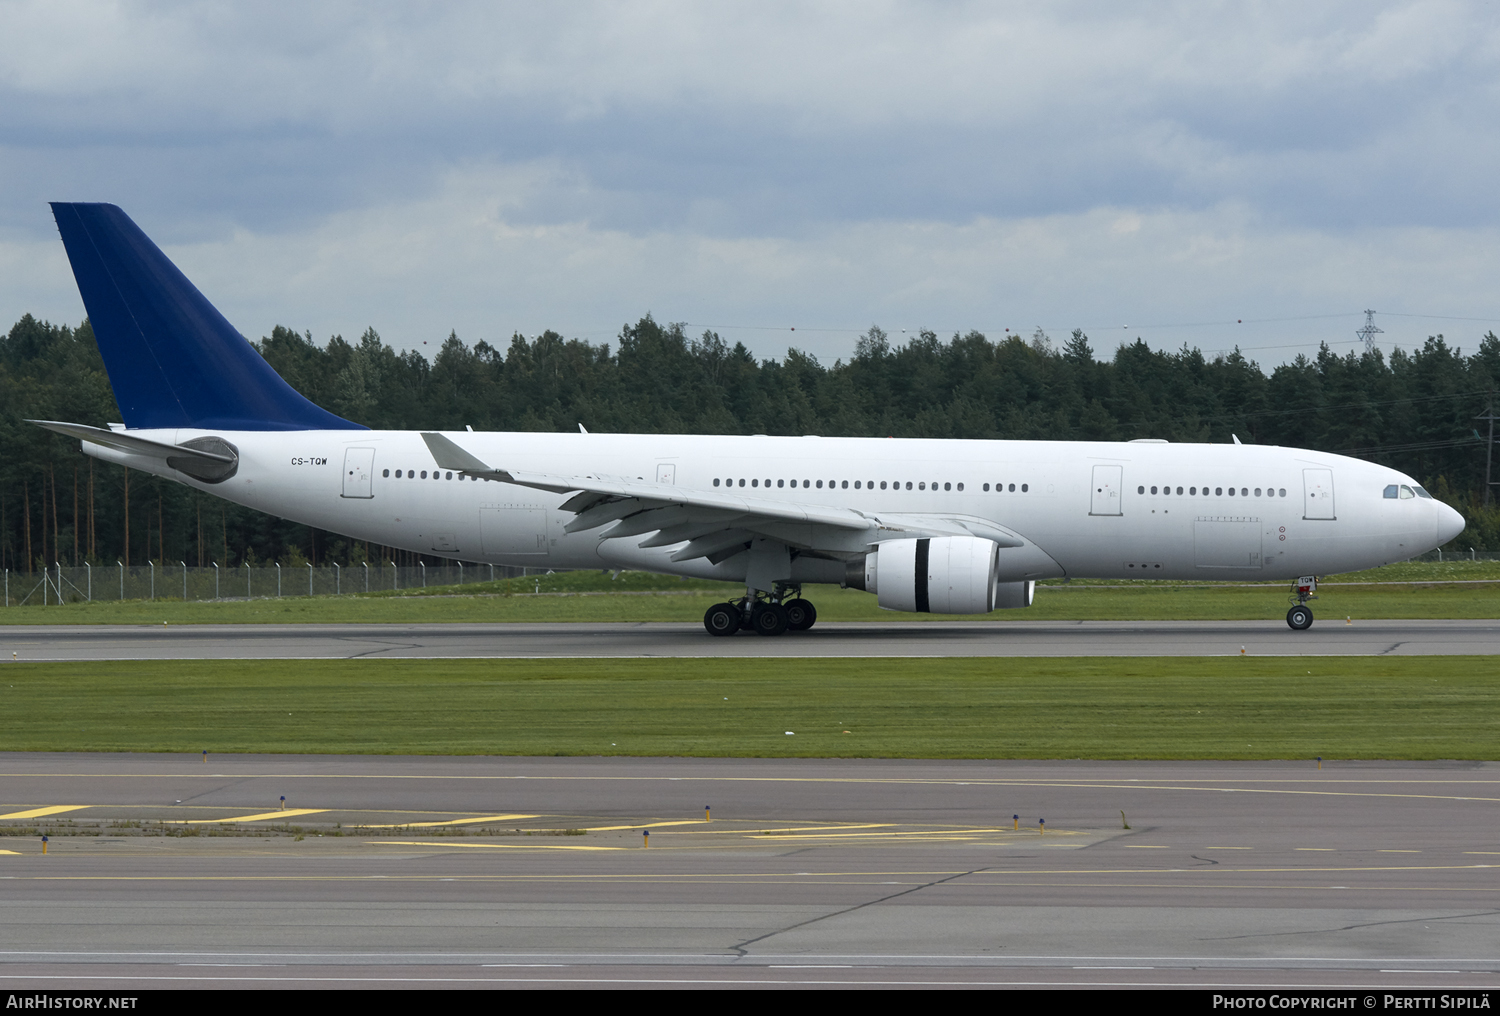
{"points": [[1459, 555], [107, 583]]}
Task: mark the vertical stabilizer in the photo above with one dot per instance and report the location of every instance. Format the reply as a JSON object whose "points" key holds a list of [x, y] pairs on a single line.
{"points": [[173, 360]]}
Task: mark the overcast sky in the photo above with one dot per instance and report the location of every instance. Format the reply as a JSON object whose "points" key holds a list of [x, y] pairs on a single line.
{"points": [[1163, 170]]}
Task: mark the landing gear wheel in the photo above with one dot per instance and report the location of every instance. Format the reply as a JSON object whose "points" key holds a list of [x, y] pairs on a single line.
{"points": [[722, 619], [768, 619], [800, 614], [1299, 618]]}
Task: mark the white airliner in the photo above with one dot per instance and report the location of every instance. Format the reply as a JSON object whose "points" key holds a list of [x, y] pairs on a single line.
{"points": [[957, 527]]}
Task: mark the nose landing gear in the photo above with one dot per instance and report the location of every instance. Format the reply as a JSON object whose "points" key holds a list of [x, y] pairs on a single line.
{"points": [[764, 614], [1300, 617]]}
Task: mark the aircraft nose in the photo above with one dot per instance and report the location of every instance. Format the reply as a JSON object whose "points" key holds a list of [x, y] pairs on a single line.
{"points": [[1450, 524]]}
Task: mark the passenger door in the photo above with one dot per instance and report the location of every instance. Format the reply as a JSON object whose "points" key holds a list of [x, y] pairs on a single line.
{"points": [[359, 469], [1105, 496], [1317, 494]]}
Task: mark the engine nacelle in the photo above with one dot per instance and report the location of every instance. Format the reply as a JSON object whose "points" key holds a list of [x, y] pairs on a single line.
{"points": [[945, 575]]}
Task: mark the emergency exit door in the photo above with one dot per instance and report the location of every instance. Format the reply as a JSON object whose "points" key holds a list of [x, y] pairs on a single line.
{"points": [[1105, 492]]}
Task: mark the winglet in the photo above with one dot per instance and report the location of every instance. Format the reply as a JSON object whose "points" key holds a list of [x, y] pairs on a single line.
{"points": [[450, 456]]}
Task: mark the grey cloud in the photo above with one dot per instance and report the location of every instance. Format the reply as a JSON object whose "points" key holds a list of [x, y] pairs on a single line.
{"points": [[747, 119]]}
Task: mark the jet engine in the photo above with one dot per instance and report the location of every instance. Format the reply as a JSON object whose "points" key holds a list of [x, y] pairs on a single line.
{"points": [[944, 575]]}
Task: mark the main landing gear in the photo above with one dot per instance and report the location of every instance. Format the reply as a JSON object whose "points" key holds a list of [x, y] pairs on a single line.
{"points": [[764, 614], [1300, 617]]}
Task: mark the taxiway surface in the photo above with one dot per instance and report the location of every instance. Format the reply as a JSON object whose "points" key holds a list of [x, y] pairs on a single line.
{"points": [[432, 872], [1332, 637]]}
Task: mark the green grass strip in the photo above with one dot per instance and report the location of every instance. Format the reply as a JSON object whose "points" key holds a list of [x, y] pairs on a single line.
{"points": [[1145, 602], [1140, 708]]}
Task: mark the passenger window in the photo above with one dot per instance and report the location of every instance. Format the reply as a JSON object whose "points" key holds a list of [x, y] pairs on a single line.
{"points": [[844, 485], [781, 483], [882, 485], [960, 486], [1218, 491], [921, 486], [1013, 488], [1140, 490], [1025, 488], [448, 476], [1281, 492], [716, 481], [1179, 490], [1153, 490], [908, 485], [1193, 491], [424, 474], [1257, 492]]}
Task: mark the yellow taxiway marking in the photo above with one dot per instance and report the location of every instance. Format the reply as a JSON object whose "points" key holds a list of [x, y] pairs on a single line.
{"points": [[1319, 849], [643, 825], [9, 851], [1392, 851], [783, 830], [1228, 848], [448, 822], [261, 817], [1147, 846], [488, 846], [56, 809], [830, 834]]}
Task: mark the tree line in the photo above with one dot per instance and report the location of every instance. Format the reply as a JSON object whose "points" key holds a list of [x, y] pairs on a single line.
{"points": [[1414, 410]]}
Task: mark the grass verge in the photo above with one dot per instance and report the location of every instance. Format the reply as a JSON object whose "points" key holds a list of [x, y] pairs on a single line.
{"points": [[1153, 601], [1141, 708]]}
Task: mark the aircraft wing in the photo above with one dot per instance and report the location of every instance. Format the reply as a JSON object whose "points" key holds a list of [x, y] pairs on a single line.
{"points": [[715, 524]]}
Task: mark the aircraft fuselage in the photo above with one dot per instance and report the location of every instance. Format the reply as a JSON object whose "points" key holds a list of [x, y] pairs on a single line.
{"points": [[1083, 509]]}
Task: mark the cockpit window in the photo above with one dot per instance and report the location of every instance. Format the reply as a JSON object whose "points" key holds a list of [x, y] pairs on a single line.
{"points": [[1390, 491], [1422, 493], [1406, 492]]}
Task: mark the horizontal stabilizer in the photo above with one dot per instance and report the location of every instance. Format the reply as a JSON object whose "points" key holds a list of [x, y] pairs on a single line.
{"points": [[209, 459]]}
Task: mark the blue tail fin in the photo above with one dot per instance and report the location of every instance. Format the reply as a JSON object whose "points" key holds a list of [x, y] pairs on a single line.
{"points": [[173, 360]]}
